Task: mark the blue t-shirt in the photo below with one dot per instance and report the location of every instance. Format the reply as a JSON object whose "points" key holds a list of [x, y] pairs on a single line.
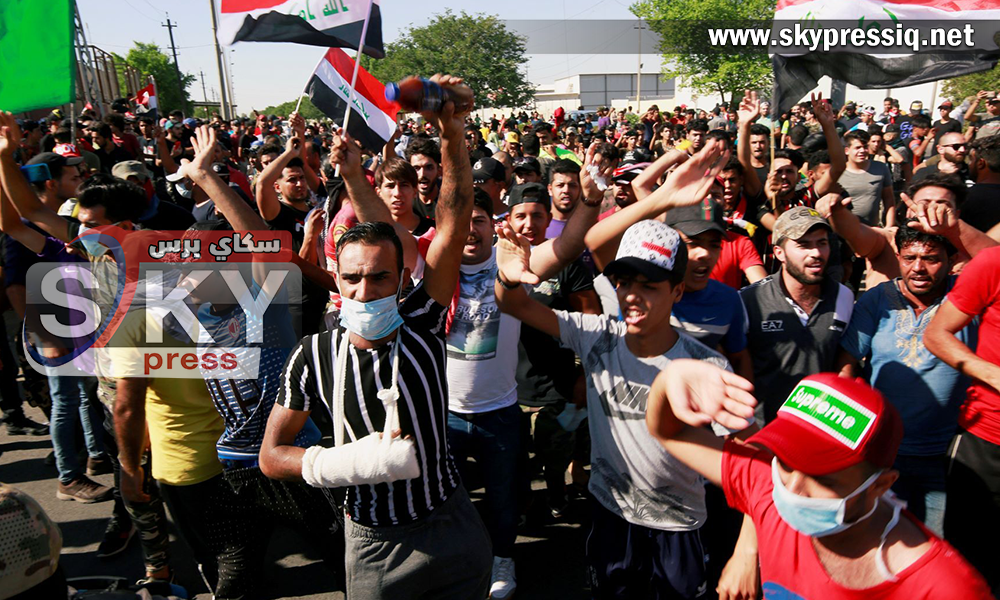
{"points": [[713, 315], [926, 391], [245, 404]]}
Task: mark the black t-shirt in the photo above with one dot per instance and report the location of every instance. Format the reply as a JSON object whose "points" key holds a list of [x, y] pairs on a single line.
{"points": [[981, 208], [546, 370], [424, 225], [963, 172], [308, 302], [110, 159], [168, 217], [952, 126]]}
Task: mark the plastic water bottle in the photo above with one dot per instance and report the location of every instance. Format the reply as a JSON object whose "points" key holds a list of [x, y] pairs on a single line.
{"points": [[416, 94]]}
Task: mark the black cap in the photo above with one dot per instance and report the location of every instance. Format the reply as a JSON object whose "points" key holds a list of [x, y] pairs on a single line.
{"points": [[527, 163], [697, 219], [488, 168], [528, 192], [891, 127], [53, 160]]}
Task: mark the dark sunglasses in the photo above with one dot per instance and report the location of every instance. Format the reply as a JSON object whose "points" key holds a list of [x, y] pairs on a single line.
{"points": [[956, 146]]}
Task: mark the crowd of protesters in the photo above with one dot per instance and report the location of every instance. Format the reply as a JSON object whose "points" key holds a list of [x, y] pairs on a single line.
{"points": [[760, 348]]}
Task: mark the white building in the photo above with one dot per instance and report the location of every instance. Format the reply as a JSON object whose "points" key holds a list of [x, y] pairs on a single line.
{"points": [[618, 90]]}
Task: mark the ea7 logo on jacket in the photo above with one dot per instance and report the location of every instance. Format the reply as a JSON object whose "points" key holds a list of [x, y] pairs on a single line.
{"points": [[772, 326]]}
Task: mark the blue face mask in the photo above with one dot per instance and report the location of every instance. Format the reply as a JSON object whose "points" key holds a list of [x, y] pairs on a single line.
{"points": [[815, 517], [371, 320], [90, 243]]}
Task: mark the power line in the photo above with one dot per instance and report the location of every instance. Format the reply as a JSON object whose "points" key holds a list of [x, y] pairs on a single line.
{"points": [[144, 15]]}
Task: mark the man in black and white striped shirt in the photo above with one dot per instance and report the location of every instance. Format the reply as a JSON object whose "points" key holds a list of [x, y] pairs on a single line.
{"points": [[411, 529]]}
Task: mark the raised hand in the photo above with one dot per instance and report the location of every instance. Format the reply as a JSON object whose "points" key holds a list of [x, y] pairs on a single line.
{"points": [[933, 219], [749, 108], [689, 183], [590, 189], [822, 109], [203, 144], [450, 123], [10, 134], [345, 153], [700, 392], [831, 203], [514, 256]]}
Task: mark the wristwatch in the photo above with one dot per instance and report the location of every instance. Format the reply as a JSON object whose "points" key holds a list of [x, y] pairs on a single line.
{"points": [[592, 204]]}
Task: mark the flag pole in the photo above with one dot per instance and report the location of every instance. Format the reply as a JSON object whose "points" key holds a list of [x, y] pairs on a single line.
{"points": [[357, 67], [306, 88]]}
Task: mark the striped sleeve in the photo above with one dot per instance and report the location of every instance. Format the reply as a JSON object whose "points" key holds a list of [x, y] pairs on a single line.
{"points": [[298, 385]]}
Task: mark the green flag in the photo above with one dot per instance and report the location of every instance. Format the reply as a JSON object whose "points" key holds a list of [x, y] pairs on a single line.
{"points": [[37, 65]]}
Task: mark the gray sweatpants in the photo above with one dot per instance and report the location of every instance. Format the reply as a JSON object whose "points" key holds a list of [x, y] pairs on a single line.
{"points": [[446, 556]]}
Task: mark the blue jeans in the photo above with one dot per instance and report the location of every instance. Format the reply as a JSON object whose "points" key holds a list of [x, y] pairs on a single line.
{"points": [[922, 484], [493, 439], [74, 400]]}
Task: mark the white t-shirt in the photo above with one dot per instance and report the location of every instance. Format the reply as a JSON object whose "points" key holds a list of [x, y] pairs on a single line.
{"points": [[482, 345], [631, 474]]}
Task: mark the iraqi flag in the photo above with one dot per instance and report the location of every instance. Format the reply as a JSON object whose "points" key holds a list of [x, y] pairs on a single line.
{"points": [[145, 100], [374, 118], [327, 23], [795, 74]]}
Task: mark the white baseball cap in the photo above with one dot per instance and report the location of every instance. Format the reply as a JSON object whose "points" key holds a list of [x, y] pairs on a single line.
{"points": [[649, 248]]}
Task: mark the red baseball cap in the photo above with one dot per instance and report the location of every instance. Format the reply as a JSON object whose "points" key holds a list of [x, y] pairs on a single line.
{"points": [[830, 423]]}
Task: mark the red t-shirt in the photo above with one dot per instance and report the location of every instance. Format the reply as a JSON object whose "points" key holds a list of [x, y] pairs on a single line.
{"points": [[790, 568], [738, 255], [977, 293]]}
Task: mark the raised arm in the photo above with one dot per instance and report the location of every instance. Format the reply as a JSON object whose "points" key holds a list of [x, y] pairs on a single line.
{"points": [[513, 270], [267, 196], [367, 205], [688, 395], [687, 185], [748, 112], [643, 184], [553, 255], [940, 219], [454, 208], [298, 125], [863, 239], [19, 191], [838, 158], [11, 224]]}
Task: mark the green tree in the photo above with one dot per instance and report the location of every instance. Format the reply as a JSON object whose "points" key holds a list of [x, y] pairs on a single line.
{"points": [[960, 88], [682, 26], [477, 47], [149, 60], [307, 110]]}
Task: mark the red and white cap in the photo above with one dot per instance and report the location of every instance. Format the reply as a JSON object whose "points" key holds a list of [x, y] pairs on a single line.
{"points": [[649, 248], [66, 151], [830, 423]]}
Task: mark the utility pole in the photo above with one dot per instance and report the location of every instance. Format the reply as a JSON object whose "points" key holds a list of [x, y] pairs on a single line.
{"points": [[173, 48], [638, 77], [204, 94], [218, 60]]}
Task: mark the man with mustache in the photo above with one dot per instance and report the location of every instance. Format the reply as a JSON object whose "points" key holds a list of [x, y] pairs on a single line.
{"points": [[424, 155], [887, 328], [797, 316]]}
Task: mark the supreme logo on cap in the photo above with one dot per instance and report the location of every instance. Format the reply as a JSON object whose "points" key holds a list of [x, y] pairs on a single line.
{"points": [[823, 407], [658, 249]]}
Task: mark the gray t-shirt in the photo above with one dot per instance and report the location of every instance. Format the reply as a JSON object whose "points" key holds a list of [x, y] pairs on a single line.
{"points": [[865, 190], [632, 475]]}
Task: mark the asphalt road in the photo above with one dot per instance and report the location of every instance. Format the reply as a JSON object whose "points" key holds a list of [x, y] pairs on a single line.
{"points": [[548, 554]]}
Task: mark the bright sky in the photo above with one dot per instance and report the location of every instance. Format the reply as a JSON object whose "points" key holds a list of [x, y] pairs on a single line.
{"points": [[266, 74]]}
